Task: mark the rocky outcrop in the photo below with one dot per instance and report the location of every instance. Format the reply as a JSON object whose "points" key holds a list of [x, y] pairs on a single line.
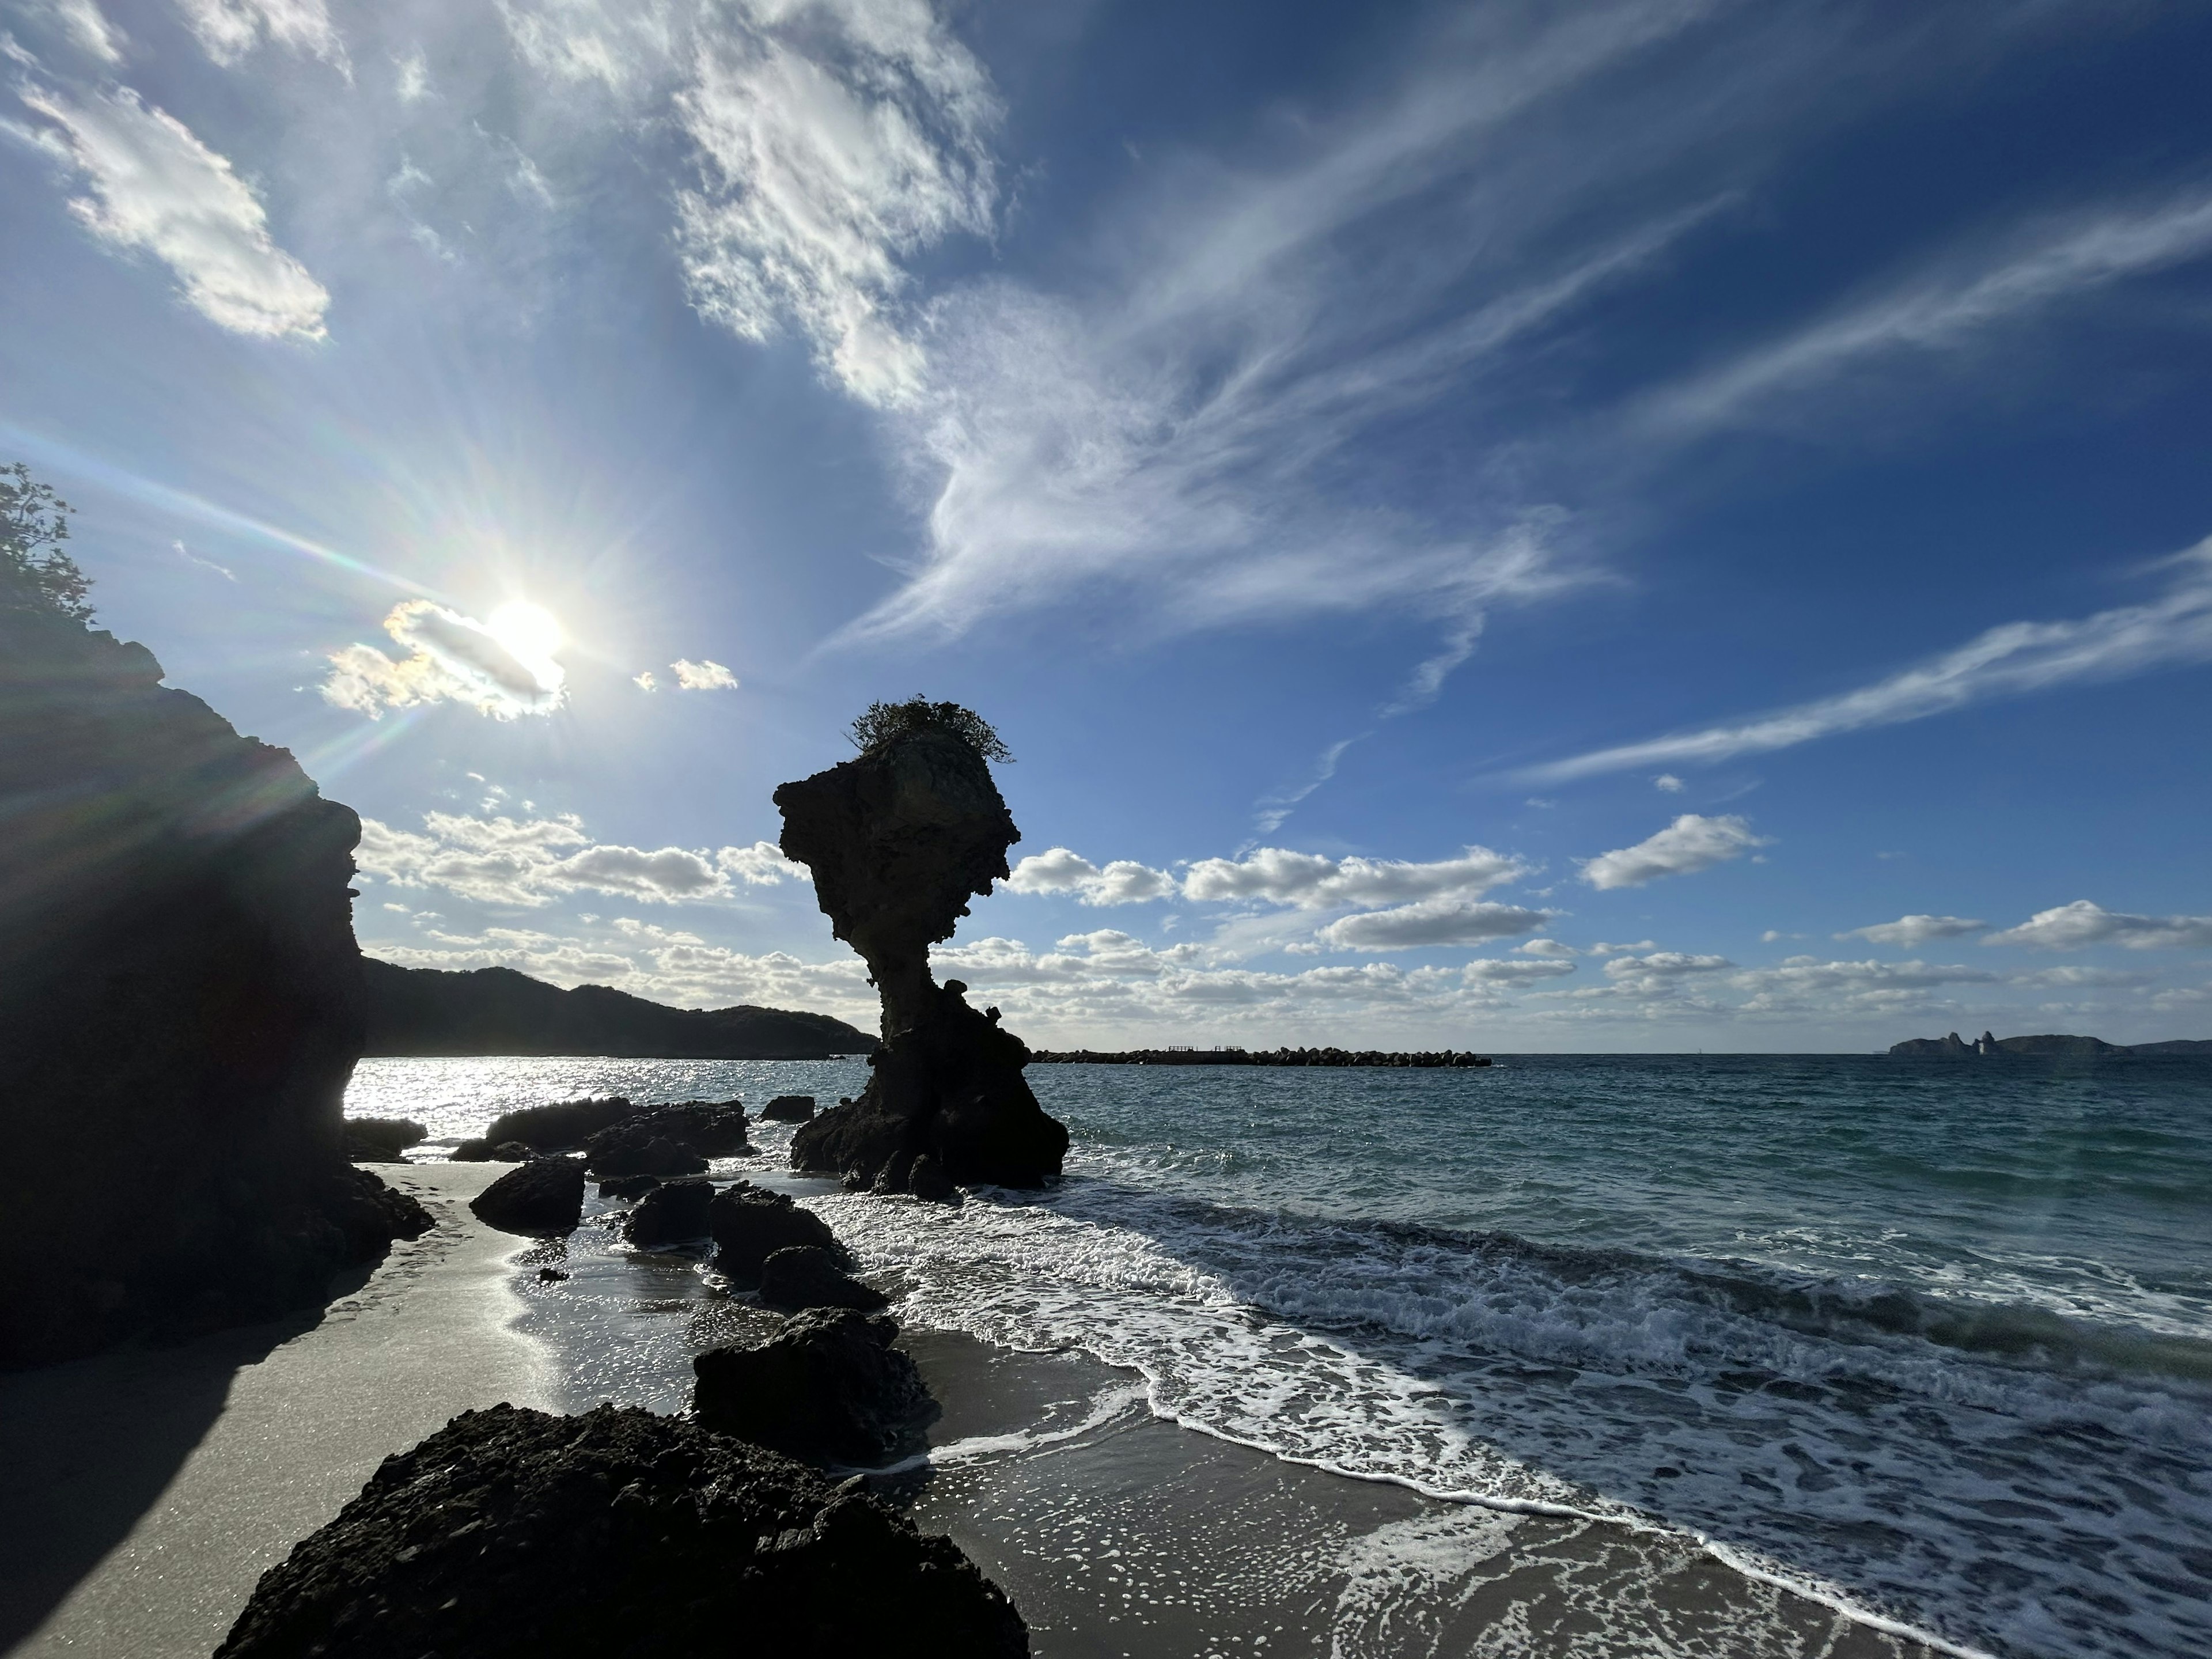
{"points": [[898, 839], [2047, 1045], [749, 1224], [561, 1127], [673, 1212], [807, 1276], [788, 1109], [497, 1010], [382, 1139], [830, 1388], [512, 1534], [179, 1009], [538, 1200]]}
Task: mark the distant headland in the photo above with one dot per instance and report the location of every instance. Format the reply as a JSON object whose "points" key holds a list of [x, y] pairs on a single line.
{"points": [[1434, 1057], [2049, 1047]]}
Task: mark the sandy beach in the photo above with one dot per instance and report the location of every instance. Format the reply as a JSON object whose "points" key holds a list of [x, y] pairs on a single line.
{"points": [[147, 1490]]}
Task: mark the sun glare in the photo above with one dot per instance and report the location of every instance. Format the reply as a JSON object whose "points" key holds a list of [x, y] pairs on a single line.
{"points": [[531, 633]]}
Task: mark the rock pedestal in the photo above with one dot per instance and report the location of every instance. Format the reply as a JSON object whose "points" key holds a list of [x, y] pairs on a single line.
{"points": [[898, 839]]}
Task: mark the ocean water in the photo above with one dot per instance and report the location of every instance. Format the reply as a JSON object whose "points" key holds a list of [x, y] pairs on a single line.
{"points": [[1932, 1343]]}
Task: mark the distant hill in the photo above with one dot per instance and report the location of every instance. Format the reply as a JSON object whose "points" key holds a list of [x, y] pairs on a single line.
{"points": [[2045, 1047], [497, 1010]]}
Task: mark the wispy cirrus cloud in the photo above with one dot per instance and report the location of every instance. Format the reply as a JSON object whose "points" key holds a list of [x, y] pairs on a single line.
{"points": [[2015, 660], [229, 29], [152, 187], [1691, 842]]}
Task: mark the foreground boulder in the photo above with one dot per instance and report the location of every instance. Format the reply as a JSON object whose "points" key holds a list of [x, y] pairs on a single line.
{"points": [[808, 1276], [179, 1009], [514, 1535], [538, 1199], [898, 839], [749, 1224], [830, 1388], [673, 1212]]}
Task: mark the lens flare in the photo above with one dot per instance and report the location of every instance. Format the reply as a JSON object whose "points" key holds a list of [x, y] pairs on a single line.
{"points": [[530, 631]]}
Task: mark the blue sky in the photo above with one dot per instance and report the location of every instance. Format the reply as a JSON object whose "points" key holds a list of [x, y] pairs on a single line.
{"points": [[1632, 526]]}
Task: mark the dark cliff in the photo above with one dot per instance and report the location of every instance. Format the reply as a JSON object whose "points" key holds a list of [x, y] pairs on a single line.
{"points": [[179, 1009], [496, 1010]]}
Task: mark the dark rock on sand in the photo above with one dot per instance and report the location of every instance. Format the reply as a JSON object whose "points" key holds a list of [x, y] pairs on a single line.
{"points": [[635, 1186], [926, 1179], [673, 1212], [560, 1126], [808, 1276], [382, 1139], [537, 1198], [898, 839], [514, 1535], [788, 1109], [829, 1388], [670, 1140], [179, 1009], [749, 1224]]}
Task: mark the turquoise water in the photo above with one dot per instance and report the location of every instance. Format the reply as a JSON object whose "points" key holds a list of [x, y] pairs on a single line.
{"points": [[1932, 1342]]}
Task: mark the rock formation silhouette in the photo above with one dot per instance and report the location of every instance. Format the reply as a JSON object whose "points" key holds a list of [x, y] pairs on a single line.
{"points": [[898, 839], [179, 1009]]}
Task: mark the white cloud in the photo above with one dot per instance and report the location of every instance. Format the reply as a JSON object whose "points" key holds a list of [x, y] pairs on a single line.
{"points": [[450, 657], [645, 681], [761, 865], [2052, 263], [2070, 926], [155, 187], [2011, 660], [1691, 843], [1668, 782], [411, 77], [702, 676], [229, 29], [531, 862], [1123, 881], [89, 28], [1602, 949], [834, 139], [1489, 970], [1909, 933], [1431, 923], [2070, 977], [1550, 949], [1310, 881]]}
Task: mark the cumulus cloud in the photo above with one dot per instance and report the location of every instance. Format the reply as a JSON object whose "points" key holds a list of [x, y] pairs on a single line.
{"points": [[1908, 932], [1491, 970], [1431, 923], [834, 140], [229, 29], [531, 862], [1668, 782], [1661, 976], [1691, 843], [1310, 881], [645, 681], [690, 676], [2011, 660], [153, 187], [1123, 881], [761, 865], [1805, 985], [450, 657], [2070, 926], [1549, 948]]}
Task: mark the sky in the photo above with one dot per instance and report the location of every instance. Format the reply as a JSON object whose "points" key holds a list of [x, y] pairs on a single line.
{"points": [[1651, 524]]}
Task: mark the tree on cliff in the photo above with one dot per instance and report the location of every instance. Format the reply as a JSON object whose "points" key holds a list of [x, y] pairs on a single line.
{"points": [[35, 574], [886, 720]]}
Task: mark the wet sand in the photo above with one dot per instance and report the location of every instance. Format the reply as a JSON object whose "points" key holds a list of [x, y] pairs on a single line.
{"points": [[146, 1491]]}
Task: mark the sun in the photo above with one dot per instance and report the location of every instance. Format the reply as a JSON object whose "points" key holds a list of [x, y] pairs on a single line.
{"points": [[530, 633]]}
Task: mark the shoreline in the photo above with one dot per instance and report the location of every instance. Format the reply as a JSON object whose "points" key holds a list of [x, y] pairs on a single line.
{"points": [[149, 1488]]}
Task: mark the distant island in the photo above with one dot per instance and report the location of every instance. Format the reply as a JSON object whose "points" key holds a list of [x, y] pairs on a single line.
{"points": [[415, 1012], [1432, 1058], [2046, 1048]]}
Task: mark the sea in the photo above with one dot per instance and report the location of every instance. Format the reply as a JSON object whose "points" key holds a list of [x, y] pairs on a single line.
{"points": [[1930, 1342]]}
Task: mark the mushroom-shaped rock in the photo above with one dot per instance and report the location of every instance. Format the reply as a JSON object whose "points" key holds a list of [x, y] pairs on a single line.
{"points": [[808, 1276], [749, 1224], [673, 1212], [830, 1388], [898, 839], [510, 1534], [542, 1197]]}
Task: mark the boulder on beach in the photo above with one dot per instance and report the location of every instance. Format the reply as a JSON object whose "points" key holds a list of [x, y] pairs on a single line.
{"points": [[513, 1534], [801, 1276], [898, 839], [829, 1388], [631, 1186], [749, 1224], [180, 1008], [652, 1155], [788, 1109], [673, 1212], [537, 1198], [560, 1126], [382, 1139], [675, 1140]]}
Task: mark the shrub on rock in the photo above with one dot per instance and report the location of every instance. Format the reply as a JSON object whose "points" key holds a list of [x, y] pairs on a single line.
{"points": [[516, 1534]]}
